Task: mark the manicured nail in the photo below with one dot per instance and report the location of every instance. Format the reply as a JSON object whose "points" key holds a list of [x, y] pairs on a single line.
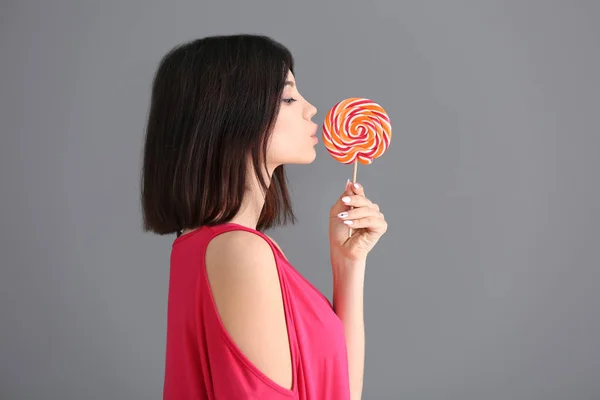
{"points": [[343, 214], [347, 182], [356, 185], [348, 222], [346, 199]]}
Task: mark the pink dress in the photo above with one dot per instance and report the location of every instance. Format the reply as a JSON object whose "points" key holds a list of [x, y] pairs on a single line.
{"points": [[203, 362]]}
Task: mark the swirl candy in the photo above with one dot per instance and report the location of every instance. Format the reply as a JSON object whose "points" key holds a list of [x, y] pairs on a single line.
{"points": [[357, 129]]}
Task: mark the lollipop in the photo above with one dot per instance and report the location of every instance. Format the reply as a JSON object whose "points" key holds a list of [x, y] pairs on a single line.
{"points": [[356, 130]]}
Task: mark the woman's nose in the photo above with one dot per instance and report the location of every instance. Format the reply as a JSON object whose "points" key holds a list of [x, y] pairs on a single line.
{"points": [[312, 111]]}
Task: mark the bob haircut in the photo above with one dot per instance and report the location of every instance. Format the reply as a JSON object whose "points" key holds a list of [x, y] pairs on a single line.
{"points": [[214, 103]]}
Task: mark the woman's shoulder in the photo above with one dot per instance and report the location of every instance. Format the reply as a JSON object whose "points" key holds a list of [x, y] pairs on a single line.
{"points": [[234, 243], [275, 243], [242, 273]]}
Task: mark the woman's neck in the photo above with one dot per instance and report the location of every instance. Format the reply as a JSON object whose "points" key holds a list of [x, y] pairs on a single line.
{"points": [[252, 204]]}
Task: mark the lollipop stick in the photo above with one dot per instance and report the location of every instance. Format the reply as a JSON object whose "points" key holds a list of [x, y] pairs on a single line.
{"points": [[353, 181]]}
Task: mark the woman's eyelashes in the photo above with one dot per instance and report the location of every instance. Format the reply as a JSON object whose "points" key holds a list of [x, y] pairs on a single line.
{"points": [[289, 100]]}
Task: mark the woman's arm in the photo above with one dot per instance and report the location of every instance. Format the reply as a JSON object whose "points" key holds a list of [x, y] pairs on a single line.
{"points": [[348, 299], [348, 261], [243, 278]]}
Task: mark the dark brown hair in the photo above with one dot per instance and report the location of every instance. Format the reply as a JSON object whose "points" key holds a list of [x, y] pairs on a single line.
{"points": [[214, 102]]}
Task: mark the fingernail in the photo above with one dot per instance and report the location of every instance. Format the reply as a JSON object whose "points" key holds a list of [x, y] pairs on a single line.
{"points": [[343, 214], [347, 182], [356, 185], [348, 222], [346, 199]]}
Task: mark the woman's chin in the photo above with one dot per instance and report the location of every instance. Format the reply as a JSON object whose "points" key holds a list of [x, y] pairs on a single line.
{"points": [[306, 158], [311, 157]]}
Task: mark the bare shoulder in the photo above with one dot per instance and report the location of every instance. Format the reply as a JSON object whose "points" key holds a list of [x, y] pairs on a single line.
{"points": [[275, 243], [245, 285]]}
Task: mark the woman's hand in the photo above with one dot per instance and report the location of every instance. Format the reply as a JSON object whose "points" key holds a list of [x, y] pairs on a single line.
{"points": [[354, 210]]}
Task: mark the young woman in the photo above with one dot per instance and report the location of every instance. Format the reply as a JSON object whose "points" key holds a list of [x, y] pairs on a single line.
{"points": [[225, 116]]}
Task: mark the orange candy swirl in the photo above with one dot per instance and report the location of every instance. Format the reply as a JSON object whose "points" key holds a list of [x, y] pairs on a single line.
{"points": [[357, 128]]}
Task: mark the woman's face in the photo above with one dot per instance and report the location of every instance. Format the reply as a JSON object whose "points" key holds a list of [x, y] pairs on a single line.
{"points": [[294, 135]]}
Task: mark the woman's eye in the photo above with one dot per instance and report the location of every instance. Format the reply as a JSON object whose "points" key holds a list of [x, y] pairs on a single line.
{"points": [[289, 101]]}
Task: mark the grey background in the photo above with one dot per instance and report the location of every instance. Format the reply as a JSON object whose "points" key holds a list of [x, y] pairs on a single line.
{"points": [[485, 285]]}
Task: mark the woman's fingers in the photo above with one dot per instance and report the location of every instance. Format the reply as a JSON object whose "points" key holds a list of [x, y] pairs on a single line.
{"points": [[372, 223], [360, 212], [353, 197], [355, 200]]}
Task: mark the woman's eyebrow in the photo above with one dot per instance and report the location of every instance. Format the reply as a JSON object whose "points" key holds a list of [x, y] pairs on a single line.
{"points": [[290, 83]]}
